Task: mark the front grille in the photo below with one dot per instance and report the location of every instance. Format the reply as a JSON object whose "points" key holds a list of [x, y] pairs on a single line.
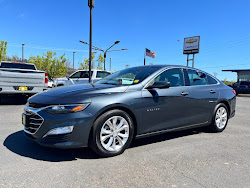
{"points": [[36, 105], [57, 138], [33, 121]]}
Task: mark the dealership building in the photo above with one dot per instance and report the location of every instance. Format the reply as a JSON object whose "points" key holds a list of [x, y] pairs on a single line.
{"points": [[242, 74]]}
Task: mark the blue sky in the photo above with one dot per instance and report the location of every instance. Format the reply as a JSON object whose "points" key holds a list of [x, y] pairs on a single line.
{"points": [[161, 26]]}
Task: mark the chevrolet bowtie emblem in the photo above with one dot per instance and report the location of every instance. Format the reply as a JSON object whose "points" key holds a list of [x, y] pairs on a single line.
{"points": [[191, 41]]}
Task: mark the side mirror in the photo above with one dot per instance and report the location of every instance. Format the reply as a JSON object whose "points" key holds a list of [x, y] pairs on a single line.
{"points": [[159, 85], [67, 77]]}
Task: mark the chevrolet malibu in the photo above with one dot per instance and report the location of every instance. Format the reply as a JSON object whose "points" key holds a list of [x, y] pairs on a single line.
{"points": [[133, 103]]}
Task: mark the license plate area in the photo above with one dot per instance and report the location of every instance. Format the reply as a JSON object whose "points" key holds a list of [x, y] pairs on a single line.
{"points": [[23, 88]]}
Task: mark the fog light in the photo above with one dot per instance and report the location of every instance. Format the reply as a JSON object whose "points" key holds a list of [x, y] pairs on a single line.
{"points": [[60, 130]]}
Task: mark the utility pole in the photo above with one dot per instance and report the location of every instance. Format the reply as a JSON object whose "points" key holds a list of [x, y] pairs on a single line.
{"points": [[91, 4], [74, 61], [22, 52], [110, 65]]}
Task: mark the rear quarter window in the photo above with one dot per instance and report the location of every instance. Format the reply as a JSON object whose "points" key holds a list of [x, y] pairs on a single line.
{"points": [[211, 80]]}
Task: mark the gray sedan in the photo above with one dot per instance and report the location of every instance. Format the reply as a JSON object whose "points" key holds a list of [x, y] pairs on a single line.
{"points": [[132, 103]]}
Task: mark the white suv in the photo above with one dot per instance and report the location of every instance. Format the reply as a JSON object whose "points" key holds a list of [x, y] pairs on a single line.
{"points": [[80, 77]]}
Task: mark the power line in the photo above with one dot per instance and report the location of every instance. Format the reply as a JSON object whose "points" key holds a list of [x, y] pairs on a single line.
{"points": [[232, 65], [47, 48]]}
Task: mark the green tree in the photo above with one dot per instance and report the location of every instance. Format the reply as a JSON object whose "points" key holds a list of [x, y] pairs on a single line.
{"points": [[100, 60], [3, 52], [225, 81], [151, 63], [85, 63], [54, 66]]}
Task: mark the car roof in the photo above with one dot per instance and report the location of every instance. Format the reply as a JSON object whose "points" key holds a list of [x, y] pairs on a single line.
{"points": [[92, 70], [177, 66], [167, 66]]}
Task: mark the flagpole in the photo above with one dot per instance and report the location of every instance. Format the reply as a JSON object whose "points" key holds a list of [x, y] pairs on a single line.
{"points": [[144, 57]]}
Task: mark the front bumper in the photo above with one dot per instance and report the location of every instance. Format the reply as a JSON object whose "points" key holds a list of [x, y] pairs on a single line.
{"points": [[82, 122]]}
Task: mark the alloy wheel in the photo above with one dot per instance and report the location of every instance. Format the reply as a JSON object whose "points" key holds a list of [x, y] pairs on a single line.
{"points": [[221, 117], [114, 133]]}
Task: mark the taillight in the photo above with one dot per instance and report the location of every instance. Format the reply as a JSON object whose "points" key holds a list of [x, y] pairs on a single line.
{"points": [[234, 92], [46, 78]]}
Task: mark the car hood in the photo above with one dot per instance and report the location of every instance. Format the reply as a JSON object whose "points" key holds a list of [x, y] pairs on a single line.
{"points": [[75, 93]]}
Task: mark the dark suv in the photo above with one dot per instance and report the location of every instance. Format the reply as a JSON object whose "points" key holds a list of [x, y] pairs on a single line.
{"points": [[242, 87]]}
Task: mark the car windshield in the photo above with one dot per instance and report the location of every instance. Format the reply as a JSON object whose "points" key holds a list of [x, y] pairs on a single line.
{"points": [[128, 76]]}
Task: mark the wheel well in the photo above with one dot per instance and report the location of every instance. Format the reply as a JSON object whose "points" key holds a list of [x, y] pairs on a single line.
{"points": [[60, 85], [228, 106]]}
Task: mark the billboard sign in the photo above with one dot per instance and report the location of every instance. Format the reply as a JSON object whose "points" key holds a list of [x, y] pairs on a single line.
{"points": [[191, 45]]}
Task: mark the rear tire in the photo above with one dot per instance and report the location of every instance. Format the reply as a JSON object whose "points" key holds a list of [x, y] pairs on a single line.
{"points": [[220, 118], [112, 133]]}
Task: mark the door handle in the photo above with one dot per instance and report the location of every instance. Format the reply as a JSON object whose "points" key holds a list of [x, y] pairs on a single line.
{"points": [[212, 91], [184, 93]]}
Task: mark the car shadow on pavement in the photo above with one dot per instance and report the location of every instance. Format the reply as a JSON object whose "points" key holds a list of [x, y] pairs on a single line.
{"points": [[13, 100], [21, 145]]}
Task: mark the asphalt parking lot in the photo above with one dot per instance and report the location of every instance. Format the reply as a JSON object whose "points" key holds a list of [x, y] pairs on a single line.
{"points": [[191, 158]]}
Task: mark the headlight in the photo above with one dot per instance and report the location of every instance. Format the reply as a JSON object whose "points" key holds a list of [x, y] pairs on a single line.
{"points": [[64, 109]]}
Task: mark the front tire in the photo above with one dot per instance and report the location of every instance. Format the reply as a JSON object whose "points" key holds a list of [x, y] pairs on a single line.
{"points": [[112, 133], [220, 118]]}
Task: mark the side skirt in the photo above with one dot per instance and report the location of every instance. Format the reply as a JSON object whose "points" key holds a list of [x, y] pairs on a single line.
{"points": [[172, 130]]}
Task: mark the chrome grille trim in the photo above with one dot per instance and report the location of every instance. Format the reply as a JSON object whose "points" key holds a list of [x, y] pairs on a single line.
{"points": [[36, 125]]}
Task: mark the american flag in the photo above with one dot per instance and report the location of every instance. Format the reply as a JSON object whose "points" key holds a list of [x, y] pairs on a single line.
{"points": [[150, 53]]}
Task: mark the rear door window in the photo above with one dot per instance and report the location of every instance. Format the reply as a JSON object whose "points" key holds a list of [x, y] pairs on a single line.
{"points": [[102, 74], [195, 79]]}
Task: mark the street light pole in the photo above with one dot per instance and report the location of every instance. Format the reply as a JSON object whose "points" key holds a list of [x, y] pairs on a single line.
{"points": [[91, 5], [116, 42], [74, 61], [22, 52], [110, 65], [105, 52], [105, 59]]}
